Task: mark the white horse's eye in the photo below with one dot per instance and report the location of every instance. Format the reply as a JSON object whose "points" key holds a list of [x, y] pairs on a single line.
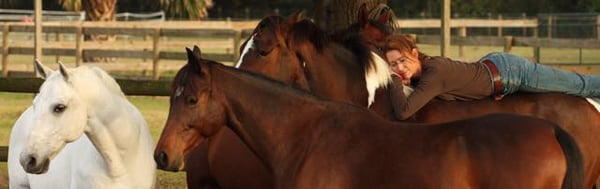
{"points": [[59, 108]]}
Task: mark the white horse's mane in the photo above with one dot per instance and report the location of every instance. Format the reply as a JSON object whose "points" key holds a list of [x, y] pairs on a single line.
{"points": [[102, 76]]}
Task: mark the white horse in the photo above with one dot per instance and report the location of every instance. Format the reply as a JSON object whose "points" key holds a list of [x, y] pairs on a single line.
{"points": [[115, 152]]}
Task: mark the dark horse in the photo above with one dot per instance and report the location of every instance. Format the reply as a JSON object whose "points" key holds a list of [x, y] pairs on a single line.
{"points": [[224, 161], [309, 142], [574, 114], [210, 166]]}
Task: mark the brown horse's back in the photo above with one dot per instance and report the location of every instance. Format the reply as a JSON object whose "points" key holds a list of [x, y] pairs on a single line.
{"points": [[496, 151], [573, 114]]}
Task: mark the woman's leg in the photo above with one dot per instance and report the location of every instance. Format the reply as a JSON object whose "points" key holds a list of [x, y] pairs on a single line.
{"points": [[520, 74]]}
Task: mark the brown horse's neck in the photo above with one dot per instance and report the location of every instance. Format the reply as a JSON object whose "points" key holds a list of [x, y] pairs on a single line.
{"points": [[259, 114], [334, 73]]}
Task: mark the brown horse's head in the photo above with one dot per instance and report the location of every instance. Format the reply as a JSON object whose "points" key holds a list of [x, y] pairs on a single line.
{"points": [[373, 30], [192, 115], [267, 53]]}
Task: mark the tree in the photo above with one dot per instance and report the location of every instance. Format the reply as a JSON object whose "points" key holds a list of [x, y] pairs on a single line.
{"points": [[335, 15], [186, 9], [95, 10]]}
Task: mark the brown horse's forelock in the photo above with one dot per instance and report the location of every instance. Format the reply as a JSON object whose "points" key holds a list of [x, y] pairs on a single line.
{"points": [[352, 39], [306, 30], [269, 22], [384, 28], [182, 79]]}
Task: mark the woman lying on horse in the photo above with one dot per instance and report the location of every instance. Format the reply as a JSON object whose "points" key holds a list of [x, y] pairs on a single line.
{"points": [[496, 75]]}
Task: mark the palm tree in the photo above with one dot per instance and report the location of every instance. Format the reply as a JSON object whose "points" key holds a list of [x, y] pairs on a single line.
{"points": [[186, 9], [95, 10], [334, 15]]}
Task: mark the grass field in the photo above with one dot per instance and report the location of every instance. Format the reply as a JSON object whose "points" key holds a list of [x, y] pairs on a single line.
{"points": [[154, 109]]}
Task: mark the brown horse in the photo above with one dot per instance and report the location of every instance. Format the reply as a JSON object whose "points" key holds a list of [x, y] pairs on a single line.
{"points": [[224, 161], [308, 142], [574, 114]]}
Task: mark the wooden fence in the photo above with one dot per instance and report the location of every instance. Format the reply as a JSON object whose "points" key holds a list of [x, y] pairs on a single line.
{"points": [[230, 32], [226, 35]]}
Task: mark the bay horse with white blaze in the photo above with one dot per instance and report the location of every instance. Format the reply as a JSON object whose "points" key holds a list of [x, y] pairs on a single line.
{"points": [[309, 142]]}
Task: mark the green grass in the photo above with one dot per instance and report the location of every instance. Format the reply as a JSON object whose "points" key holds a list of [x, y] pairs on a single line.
{"points": [[154, 109]]}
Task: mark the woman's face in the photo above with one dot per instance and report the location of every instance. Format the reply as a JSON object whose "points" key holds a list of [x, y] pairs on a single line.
{"points": [[405, 65]]}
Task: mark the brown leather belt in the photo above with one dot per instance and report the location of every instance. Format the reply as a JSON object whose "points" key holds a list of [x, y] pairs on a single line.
{"points": [[496, 79]]}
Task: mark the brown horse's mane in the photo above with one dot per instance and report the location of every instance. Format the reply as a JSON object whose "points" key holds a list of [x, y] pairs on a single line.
{"points": [[269, 22], [306, 30], [356, 27], [191, 68]]}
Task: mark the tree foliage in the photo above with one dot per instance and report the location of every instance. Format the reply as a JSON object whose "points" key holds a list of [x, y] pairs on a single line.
{"points": [[186, 9]]}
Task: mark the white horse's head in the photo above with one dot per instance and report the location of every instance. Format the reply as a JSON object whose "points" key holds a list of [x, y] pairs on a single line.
{"points": [[61, 112]]}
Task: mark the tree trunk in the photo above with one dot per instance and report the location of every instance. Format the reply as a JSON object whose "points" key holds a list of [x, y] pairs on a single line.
{"points": [[334, 15], [103, 11]]}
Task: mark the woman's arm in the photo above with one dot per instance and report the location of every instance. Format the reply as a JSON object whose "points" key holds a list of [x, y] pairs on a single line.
{"points": [[404, 106]]}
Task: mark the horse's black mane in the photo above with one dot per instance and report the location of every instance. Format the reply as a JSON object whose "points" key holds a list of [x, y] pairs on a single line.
{"points": [[352, 39], [306, 30], [183, 75], [269, 22]]}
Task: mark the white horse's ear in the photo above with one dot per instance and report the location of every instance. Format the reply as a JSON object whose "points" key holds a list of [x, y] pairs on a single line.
{"points": [[63, 71], [44, 71]]}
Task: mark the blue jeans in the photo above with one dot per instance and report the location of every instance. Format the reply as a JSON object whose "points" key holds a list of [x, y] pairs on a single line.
{"points": [[520, 74]]}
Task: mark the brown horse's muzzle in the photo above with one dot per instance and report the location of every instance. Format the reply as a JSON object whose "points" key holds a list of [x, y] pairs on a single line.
{"points": [[168, 163], [172, 149]]}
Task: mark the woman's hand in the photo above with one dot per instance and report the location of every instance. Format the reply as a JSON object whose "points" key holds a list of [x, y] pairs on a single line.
{"points": [[402, 72]]}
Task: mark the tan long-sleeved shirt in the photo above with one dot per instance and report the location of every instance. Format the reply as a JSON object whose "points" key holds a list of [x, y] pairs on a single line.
{"points": [[445, 79]]}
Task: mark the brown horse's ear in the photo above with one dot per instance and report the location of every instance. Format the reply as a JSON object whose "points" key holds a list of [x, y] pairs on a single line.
{"points": [[363, 15], [193, 58], [385, 15], [295, 17], [197, 51], [190, 54]]}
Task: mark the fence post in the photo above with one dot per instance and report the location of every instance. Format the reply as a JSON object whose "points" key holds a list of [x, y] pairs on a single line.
{"points": [[5, 32], [57, 39], [550, 21], [156, 54], [524, 17], [536, 50], [462, 32], [78, 45], [145, 39], [508, 40], [598, 26], [499, 25]]}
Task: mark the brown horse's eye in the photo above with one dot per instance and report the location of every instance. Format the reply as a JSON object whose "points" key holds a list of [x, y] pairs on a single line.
{"points": [[192, 100], [263, 53]]}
